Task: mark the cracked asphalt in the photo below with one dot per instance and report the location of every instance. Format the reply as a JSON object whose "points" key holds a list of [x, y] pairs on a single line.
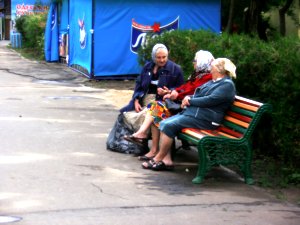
{"points": [[55, 168]]}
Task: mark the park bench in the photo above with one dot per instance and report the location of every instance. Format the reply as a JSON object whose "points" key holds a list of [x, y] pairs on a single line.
{"points": [[230, 143]]}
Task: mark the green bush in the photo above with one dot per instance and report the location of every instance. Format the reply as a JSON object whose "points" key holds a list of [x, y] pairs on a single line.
{"points": [[20, 21], [182, 45], [266, 72], [32, 28]]}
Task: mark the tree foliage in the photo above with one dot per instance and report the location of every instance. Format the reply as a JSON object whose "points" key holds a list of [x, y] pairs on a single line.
{"points": [[246, 16]]}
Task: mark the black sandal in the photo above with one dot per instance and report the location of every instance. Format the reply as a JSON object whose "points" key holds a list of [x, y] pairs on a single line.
{"points": [[149, 164], [161, 166], [135, 140]]}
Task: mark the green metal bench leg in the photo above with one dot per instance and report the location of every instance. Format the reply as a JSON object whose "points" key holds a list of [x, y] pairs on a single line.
{"points": [[247, 165], [202, 166], [248, 175]]}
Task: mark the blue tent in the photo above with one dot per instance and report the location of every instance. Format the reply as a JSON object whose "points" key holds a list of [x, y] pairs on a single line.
{"points": [[51, 35], [103, 36]]}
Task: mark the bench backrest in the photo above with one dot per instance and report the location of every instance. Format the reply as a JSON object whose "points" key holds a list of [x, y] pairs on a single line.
{"points": [[239, 122], [242, 118]]}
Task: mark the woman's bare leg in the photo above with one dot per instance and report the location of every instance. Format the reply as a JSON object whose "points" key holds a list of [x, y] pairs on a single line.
{"points": [[164, 153], [143, 130], [155, 141]]}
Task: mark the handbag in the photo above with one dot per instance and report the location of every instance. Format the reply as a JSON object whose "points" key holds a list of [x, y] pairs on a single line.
{"points": [[172, 106]]}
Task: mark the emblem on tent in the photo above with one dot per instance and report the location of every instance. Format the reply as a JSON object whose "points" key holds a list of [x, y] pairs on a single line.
{"points": [[53, 18], [139, 32], [82, 33]]}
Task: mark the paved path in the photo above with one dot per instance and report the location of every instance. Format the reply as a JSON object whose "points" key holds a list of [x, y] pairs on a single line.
{"points": [[55, 168]]}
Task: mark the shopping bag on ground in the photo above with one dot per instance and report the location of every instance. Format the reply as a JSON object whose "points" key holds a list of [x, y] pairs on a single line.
{"points": [[116, 142]]}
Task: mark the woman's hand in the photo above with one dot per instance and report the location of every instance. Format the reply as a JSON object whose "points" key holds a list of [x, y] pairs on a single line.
{"points": [[166, 96], [163, 91], [172, 95], [185, 102], [137, 105]]}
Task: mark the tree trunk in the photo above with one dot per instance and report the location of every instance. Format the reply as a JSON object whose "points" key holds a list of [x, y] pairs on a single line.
{"points": [[253, 17], [282, 13], [254, 23], [262, 25], [230, 17]]}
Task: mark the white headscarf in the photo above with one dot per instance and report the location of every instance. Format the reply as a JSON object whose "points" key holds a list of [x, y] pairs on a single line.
{"points": [[203, 61], [155, 48]]}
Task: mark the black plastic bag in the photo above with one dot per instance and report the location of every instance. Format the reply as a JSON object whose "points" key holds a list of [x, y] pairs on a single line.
{"points": [[115, 141]]}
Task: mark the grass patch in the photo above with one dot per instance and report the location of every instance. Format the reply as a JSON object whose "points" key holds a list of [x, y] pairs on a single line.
{"points": [[112, 84], [270, 173], [29, 53]]}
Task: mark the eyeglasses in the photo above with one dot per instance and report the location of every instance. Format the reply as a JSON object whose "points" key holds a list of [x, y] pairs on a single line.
{"points": [[161, 57]]}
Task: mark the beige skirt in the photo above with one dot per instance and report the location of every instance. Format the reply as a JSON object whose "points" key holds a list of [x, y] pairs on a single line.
{"points": [[135, 119]]}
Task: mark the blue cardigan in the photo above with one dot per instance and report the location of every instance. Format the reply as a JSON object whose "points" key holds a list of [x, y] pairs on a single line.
{"points": [[170, 75], [211, 100]]}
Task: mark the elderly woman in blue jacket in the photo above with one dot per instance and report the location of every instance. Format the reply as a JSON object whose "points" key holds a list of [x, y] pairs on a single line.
{"points": [[157, 77], [204, 110]]}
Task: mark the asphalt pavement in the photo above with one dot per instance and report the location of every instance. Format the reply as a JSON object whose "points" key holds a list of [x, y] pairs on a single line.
{"points": [[55, 169]]}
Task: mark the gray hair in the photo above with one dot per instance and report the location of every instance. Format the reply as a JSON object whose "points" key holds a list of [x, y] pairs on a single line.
{"points": [[156, 48]]}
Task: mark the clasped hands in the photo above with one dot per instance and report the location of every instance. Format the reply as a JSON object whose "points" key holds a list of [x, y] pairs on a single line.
{"points": [[185, 102], [173, 96], [166, 93]]}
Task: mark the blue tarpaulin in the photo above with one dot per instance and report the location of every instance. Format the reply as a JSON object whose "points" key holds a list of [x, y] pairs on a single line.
{"points": [[120, 28], [80, 36], [64, 15], [51, 35]]}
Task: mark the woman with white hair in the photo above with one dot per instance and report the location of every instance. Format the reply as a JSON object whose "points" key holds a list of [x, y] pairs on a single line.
{"points": [[204, 110]]}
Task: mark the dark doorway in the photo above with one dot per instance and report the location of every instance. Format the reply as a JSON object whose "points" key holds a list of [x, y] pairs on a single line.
{"points": [[7, 29]]}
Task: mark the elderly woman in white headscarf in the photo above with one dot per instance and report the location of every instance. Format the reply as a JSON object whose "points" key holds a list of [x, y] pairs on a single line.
{"points": [[157, 110], [202, 66]]}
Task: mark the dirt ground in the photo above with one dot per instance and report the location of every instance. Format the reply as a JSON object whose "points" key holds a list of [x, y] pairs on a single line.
{"points": [[118, 90]]}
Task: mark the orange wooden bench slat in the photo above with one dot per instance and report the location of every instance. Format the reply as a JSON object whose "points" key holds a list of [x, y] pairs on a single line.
{"points": [[236, 121], [245, 106], [193, 132], [210, 132], [226, 135]]}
